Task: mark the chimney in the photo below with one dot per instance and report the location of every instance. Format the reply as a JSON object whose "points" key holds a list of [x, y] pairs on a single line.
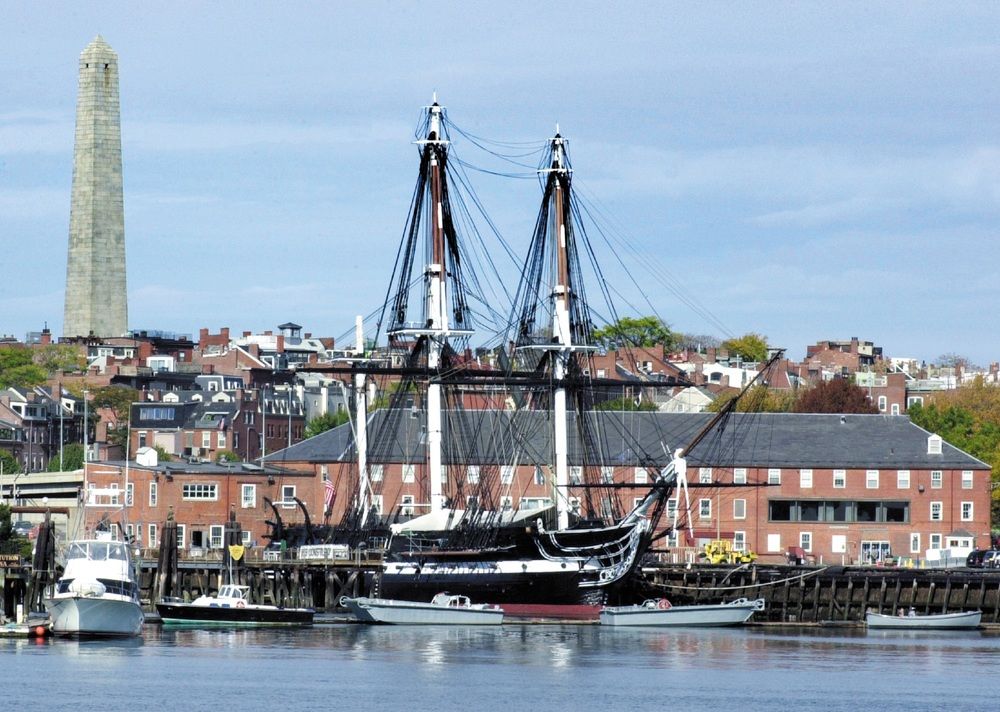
{"points": [[202, 338], [225, 333], [710, 354], [280, 343], [246, 334], [46, 337], [308, 335]]}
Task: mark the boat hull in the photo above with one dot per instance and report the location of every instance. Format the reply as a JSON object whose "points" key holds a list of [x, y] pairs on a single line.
{"points": [[379, 610], [704, 616], [944, 621], [97, 617], [254, 615]]}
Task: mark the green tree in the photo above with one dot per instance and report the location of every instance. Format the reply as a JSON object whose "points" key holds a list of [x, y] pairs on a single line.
{"points": [[59, 358], [17, 369], [625, 403], [224, 456], [759, 399], [749, 347], [116, 401], [836, 396], [72, 458], [161, 454], [629, 331], [9, 462], [327, 421]]}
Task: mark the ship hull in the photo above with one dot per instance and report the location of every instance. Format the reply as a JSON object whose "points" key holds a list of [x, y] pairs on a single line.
{"points": [[189, 614], [96, 617]]}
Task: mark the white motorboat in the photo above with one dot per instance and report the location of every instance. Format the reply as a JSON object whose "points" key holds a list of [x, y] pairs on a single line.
{"points": [[231, 606], [659, 612], [443, 609], [97, 594], [912, 621]]}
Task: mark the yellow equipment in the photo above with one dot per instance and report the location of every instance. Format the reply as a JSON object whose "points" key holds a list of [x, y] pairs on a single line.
{"points": [[721, 551]]}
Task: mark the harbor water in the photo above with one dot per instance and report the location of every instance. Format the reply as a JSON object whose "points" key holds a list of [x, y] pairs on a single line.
{"points": [[497, 669]]}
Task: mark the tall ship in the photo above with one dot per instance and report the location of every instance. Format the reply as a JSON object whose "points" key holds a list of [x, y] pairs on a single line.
{"points": [[465, 422]]}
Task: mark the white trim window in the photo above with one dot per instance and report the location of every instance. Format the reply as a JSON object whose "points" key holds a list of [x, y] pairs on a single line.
{"points": [[871, 479], [377, 503], [288, 497], [882, 403], [472, 474], [739, 509], [806, 479], [409, 472], [937, 511], [704, 509], [966, 479], [937, 479], [966, 511], [774, 476], [902, 479], [641, 476], [671, 508], [200, 490], [181, 535], [248, 496], [151, 536], [935, 541], [705, 475], [376, 472], [806, 541], [507, 476], [739, 541], [576, 474], [406, 503], [839, 479], [215, 536], [206, 439], [740, 476], [153, 493], [129, 494]]}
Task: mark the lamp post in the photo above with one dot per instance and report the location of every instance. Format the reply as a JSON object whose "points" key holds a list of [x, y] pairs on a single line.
{"points": [[263, 423], [289, 415], [86, 428]]}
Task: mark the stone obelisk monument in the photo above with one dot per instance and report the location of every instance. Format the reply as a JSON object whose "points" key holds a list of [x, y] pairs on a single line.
{"points": [[95, 272]]}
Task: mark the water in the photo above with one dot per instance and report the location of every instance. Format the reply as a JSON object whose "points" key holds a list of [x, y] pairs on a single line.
{"points": [[328, 667]]}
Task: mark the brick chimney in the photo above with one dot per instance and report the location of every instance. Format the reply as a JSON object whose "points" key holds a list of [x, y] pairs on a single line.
{"points": [[279, 343]]}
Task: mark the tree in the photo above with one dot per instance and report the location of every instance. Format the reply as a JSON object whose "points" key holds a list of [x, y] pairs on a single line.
{"points": [[327, 421], [224, 456], [628, 331], [9, 463], [72, 458], [697, 342], [749, 347], [625, 403], [117, 400], [17, 369], [162, 455], [836, 396], [59, 358], [759, 399]]}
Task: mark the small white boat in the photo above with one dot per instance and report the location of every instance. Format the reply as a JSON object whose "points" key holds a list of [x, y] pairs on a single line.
{"points": [[911, 621], [443, 609], [231, 606], [659, 612], [97, 594]]}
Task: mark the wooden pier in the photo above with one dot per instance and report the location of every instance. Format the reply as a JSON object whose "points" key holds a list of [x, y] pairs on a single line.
{"points": [[829, 594]]}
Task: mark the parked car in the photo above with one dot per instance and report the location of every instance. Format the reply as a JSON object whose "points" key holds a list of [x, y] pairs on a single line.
{"points": [[991, 559], [980, 558], [23, 528]]}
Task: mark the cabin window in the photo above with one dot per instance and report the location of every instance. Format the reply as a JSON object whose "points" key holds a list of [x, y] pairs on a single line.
{"points": [[806, 479], [704, 509], [937, 479], [966, 479], [740, 476], [966, 511], [288, 497], [937, 509], [215, 534], [871, 479], [739, 509], [248, 496], [194, 490], [903, 479], [839, 479]]}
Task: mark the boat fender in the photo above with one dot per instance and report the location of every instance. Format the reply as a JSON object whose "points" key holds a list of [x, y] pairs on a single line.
{"points": [[663, 604], [241, 604]]}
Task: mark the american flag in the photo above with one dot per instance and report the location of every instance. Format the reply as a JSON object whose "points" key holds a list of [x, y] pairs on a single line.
{"points": [[331, 494]]}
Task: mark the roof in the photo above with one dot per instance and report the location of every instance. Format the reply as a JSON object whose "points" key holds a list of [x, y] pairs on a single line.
{"points": [[643, 438]]}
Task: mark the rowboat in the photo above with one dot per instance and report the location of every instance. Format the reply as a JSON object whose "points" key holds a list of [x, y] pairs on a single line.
{"points": [[659, 612], [443, 609], [911, 621]]}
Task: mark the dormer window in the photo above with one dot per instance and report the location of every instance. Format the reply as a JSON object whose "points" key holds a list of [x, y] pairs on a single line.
{"points": [[934, 445]]}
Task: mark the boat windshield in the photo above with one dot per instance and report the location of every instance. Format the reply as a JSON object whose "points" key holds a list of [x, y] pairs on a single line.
{"points": [[97, 551]]}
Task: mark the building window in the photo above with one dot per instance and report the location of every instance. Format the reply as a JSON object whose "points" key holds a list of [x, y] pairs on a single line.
{"points": [[206, 439], [871, 479], [181, 528], [671, 508], [576, 475], [142, 438], [220, 439], [129, 493], [472, 474], [152, 494], [377, 503], [894, 409], [774, 476], [215, 536], [937, 479], [705, 475], [375, 472], [739, 509], [245, 538], [805, 479], [288, 496], [915, 543], [641, 476], [774, 543], [406, 505], [739, 541], [937, 509], [935, 541], [740, 476], [194, 490], [910, 400], [806, 541], [966, 511], [704, 509], [966, 479], [607, 475], [506, 503], [248, 496], [882, 402], [506, 474], [903, 479], [839, 479], [151, 540], [409, 472]]}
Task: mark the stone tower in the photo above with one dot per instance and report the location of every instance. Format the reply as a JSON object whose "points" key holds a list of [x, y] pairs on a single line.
{"points": [[95, 271]]}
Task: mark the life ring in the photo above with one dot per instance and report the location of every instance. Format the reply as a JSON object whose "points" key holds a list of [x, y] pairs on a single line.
{"points": [[241, 604], [663, 604]]}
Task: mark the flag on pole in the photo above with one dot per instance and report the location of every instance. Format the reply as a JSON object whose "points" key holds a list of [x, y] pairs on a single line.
{"points": [[330, 493]]}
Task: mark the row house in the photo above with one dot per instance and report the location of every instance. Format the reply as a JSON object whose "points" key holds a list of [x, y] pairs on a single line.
{"points": [[144, 493], [35, 423], [851, 488]]}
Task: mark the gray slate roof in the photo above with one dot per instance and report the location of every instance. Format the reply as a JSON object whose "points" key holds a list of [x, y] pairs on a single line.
{"points": [[787, 440]]}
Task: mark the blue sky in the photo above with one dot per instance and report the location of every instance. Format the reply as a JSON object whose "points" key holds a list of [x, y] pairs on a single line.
{"points": [[806, 171]]}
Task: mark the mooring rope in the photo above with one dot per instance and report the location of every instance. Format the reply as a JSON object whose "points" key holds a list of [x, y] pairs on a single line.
{"points": [[675, 587]]}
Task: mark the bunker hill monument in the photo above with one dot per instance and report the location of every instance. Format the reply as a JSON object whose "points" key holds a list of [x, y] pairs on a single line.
{"points": [[95, 271]]}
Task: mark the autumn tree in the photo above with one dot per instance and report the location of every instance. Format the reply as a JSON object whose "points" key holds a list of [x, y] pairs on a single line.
{"points": [[836, 396], [646, 331], [759, 399], [749, 347], [697, 342]]}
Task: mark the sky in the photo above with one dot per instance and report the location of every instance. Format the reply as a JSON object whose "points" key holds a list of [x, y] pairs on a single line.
{"points": [[806, 171]]}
